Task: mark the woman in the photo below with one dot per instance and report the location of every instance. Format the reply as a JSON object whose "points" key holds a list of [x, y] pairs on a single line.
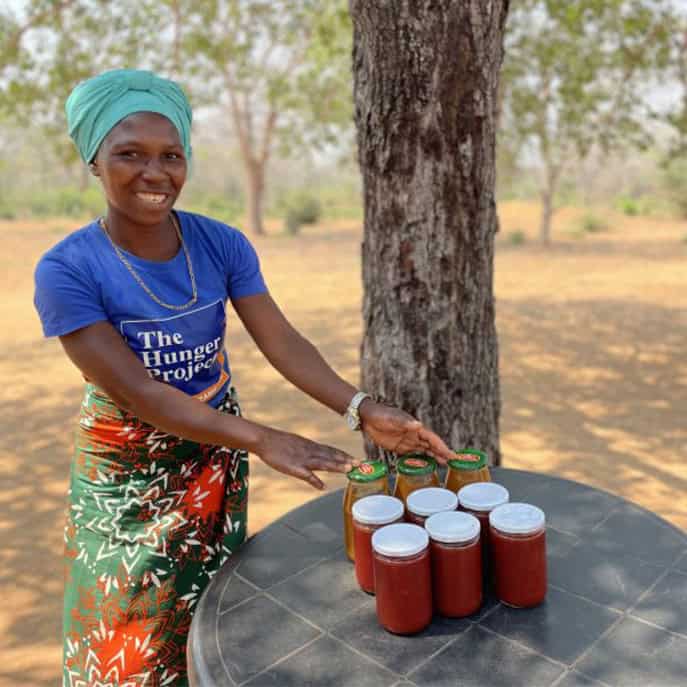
{"points": [[159, 478]]}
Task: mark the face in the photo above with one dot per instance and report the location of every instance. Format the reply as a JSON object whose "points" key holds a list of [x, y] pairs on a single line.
{"points": [[142, 167]]}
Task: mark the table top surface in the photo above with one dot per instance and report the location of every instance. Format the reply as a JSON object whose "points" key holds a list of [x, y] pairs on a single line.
{"points": [[286, 610]]}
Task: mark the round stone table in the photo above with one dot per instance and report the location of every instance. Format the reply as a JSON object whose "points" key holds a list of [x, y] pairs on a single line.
{"points": [[286, 610]]}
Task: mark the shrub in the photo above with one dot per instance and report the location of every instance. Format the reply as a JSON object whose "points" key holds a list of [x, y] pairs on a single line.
{"points": [[299, 209], [40, 205], [6, 212], [517, 237], [628, 206], [66, 202], [592, 224], [675, 182], [224, 208]]}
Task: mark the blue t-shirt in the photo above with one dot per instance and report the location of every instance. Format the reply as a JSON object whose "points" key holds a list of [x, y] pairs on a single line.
{"points": [[81, 280]]}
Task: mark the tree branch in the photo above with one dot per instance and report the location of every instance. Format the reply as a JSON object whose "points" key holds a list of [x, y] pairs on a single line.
{"points": [[176, 54], [37, 20], [239, 124]]}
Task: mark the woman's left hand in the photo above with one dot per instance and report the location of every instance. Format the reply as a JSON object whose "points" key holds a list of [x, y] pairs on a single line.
{"points": [[396, 431]]}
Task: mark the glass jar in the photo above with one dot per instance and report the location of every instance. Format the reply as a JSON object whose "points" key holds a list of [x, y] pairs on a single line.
{"points": [[518, 543], [369, 514], [414, 471], [479, 499], [467, 467], [403, 578], [370, 477], [425, 502], [456, 554]]}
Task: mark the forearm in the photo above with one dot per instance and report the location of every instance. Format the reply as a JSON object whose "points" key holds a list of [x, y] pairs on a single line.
{"points": [[303, 365], [174, 412]]}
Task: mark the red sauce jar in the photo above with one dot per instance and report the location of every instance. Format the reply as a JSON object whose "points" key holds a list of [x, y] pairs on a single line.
{"points": [[479, 499], [425, 502], [456, 554], [403, 578], [518, 544], [369, 514]]}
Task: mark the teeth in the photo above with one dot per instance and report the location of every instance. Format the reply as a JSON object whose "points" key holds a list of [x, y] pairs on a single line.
{"points": [[152, 197]]}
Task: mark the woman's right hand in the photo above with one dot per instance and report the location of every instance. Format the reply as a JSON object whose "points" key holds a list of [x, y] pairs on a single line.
{"points": [[299, 457]]}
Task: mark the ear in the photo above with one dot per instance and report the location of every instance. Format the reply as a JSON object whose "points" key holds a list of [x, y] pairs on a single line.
{"points": [[94, 169]]}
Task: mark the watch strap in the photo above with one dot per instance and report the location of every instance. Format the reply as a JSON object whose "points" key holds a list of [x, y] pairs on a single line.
{"points": [[352, 415]]}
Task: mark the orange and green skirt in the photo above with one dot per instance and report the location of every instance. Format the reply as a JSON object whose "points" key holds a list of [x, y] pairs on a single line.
{"points": [[151, 518]]}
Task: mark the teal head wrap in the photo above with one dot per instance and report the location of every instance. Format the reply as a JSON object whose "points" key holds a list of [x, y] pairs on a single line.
{"points": [[95, 106]]}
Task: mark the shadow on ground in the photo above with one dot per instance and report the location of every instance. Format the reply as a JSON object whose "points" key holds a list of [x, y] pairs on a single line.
{"points": [[594, 391]]}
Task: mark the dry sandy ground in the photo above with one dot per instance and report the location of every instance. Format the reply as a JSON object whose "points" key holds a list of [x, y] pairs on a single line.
{"points": [[593, 368]]}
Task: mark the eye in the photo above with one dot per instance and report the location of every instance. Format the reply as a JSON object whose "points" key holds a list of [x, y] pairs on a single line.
{"points": [[174, 156], [129, 153]]}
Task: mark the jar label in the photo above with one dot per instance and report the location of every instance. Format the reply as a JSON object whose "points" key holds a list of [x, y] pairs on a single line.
{"points": [[368, 471], [469, 457]]}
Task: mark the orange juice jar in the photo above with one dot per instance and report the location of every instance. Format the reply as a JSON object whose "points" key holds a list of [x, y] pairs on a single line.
{"points": [[414, 471], [467, 467], [370, 477]]}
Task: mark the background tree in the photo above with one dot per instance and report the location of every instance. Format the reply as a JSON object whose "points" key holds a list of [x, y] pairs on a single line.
{"points": [[425, 88], [56, 45], [675, 162], [678, 117], [278, 67], [576, 75], [270, 62]]}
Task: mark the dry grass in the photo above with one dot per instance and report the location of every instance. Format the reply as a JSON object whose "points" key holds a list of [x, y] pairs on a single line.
{"points": [[593, 370]]}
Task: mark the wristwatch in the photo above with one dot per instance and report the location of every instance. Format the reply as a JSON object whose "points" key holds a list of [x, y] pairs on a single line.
{"points": [[352, 415]]}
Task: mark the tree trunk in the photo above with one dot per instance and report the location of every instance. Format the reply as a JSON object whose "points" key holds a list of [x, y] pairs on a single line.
{"points": [[255, 191], [425, 87], [546, 215], [548, 193]]}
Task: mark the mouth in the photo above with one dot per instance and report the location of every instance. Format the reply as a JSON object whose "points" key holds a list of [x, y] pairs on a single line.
{"points": [[152, 198]]}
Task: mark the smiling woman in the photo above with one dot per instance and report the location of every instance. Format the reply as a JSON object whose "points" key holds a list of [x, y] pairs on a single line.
{"points": [[158, 489], [142, 167]]}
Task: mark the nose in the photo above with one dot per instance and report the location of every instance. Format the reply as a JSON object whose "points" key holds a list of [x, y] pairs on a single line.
{"points": [[153, 169]]}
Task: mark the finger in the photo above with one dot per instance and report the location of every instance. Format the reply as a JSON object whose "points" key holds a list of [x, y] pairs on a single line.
{"points": [[424, 444], [308, 476], [316, 482], [337, 460], [318, 463], [436, 445]]}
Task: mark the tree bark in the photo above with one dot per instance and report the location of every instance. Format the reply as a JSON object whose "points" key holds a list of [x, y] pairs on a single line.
{"points": [[548, 195], [254, 155], [426, 78], [255, 191], [546, 216]]}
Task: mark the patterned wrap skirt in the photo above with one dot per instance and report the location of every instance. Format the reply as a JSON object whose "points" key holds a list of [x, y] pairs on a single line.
{"points": [[151, 518]]}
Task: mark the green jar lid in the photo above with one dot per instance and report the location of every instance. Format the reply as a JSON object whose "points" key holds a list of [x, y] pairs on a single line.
{"points": [[468, 459], [368, 471], [416, 464]]}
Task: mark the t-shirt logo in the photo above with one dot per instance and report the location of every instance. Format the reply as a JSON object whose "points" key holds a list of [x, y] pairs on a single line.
{"points": [[185, 350]]}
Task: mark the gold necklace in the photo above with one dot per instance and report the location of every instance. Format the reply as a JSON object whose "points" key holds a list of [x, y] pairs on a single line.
{"points": [[134, 274]]}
